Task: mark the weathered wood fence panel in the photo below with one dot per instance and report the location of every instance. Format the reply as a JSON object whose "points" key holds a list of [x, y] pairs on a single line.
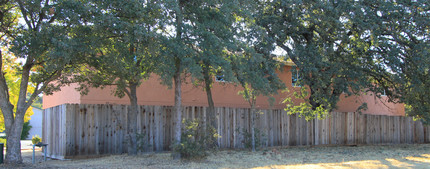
{"points": [[87, 130]]}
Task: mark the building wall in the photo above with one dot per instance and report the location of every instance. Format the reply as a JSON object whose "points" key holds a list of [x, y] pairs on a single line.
{"points": [[68, 94], [225, 94], [36, 123]]}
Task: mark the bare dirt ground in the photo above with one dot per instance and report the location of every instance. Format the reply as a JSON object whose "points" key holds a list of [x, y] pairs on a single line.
{"points": [[378, 156]]}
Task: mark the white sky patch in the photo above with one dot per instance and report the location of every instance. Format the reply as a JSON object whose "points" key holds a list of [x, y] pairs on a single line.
{"points": [[279, 51]]}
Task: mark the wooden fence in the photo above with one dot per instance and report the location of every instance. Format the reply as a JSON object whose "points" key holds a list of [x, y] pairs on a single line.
{"points": [[84, 130]]}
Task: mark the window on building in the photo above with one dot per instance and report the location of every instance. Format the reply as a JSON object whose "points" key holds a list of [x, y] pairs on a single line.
{"points": [[219, 78], [295, 79], [384, 93]]}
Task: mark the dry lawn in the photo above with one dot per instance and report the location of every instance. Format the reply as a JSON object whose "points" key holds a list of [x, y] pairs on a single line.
{"points": [[380, 156]]}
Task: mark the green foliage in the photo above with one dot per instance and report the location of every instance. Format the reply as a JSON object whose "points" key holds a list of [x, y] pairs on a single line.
{"points": [[321, 39], [142, 141], [254, 67], [123, 40], [38, 103], [47, 50], [25, 130], [213, 30], [36, 139], [401, 45], [8, 21], [353, 47], [3, 140], [260, 138], [195, 140], [305, 110]]}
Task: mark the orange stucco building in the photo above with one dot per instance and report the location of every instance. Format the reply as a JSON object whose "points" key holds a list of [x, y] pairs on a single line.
{"points": [[225, 94]]}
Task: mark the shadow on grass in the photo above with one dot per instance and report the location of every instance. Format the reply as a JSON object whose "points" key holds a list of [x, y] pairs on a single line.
{"points": [[376, 156]]}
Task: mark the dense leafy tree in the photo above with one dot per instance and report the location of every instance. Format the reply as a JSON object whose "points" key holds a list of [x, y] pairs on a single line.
{"points": [[255, 73], [205, 34], [253, 64], [323, 41], [211, 34], [399, 35], [123, 38], [354, 47], [175, 57], [47, 52]]}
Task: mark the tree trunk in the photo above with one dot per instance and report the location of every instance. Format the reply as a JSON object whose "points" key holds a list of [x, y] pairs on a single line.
{"points": [[13, 125], [211, 109], [13, 144], [177, 80], [177, 109], [253, 126], [132, 121]]}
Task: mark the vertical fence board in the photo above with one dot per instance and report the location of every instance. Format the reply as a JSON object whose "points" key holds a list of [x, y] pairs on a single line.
{"points": [[293, 133], [419, 132], [350, 128]]}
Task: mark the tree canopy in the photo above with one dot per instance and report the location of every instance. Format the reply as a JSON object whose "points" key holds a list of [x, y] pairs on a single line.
{"points": [[124, 43], [353, 47], [399, 38], [47, 52], [321, 39], [338, 48]]}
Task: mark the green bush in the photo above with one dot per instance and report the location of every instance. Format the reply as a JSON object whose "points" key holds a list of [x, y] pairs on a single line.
{"points": [[25, 130], [195, 140], [260, 138], [142, 142], [3, 140], [36, 139]]}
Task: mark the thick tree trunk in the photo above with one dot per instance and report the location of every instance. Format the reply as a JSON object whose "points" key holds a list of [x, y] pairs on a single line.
{"points": [[13, 125], [211, 109], [132, 121], [177, 110], [13, 144]]}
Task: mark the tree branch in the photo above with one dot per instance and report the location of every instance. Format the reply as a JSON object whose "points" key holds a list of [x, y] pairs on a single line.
{"points": [[24, 14], [41, 15], [127, 92], [5, 105], [38, 90]]}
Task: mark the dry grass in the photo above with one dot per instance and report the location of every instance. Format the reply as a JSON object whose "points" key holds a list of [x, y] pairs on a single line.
{"points": [[381, 156]]}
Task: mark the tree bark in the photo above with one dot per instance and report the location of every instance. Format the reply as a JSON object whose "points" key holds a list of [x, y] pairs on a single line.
{"points": [[211, 109], [177, 79], [13, 125], [253, 125], [132, 120], [177, 109], [13, 144]]}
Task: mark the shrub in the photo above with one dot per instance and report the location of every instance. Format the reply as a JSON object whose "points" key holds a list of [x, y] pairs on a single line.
{"points": [[36, 139], [25, 130], [142, 142], [260, 138], [195, 140]]}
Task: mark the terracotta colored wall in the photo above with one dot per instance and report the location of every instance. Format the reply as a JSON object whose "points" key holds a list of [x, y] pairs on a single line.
{"points": [[151, 92], [68, 94], [376, 106]]}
